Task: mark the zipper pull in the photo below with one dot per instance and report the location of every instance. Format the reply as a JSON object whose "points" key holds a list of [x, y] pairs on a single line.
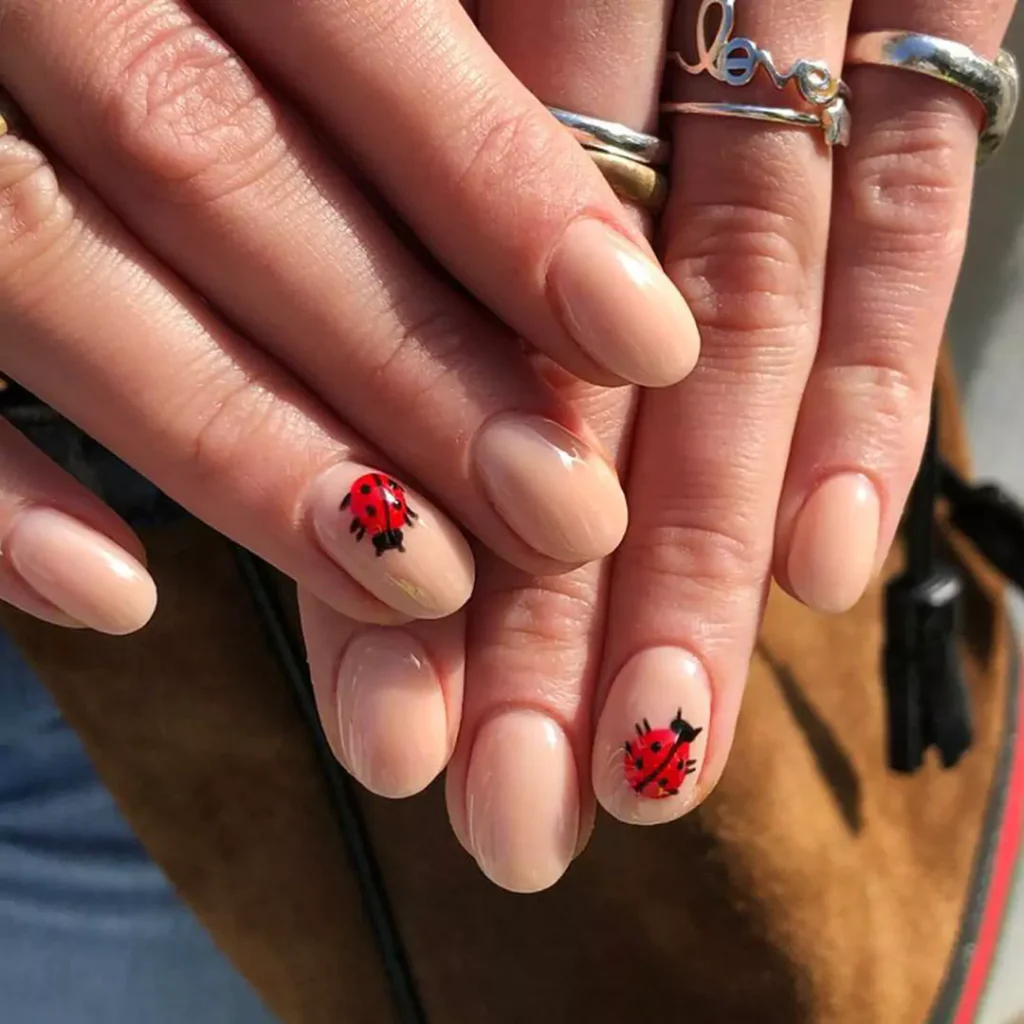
{"points": [[991, 519]]}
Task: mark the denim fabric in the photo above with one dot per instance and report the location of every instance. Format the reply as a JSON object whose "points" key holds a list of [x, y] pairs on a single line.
{"points": [[90, 930]]}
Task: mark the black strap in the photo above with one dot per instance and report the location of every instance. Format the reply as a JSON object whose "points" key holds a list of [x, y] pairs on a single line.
{"points": [[260, 582]]}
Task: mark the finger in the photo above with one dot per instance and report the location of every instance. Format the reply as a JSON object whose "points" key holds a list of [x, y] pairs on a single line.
{"points": [[64, 556], [227, 186], [483, 174], [389, 698], [98, 330], [745, 238], [518, 787], [899, 227]]}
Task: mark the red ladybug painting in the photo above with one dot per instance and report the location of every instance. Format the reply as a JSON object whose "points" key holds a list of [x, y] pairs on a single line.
{"points": [[379, 508], [658, 760]]}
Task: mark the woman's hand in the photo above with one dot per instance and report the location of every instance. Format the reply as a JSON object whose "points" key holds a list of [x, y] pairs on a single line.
{"points": [[793, 444], [327, 343]]}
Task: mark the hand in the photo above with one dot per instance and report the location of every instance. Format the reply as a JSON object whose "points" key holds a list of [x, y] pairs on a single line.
{"points": [[746, 237], [328, 344]]}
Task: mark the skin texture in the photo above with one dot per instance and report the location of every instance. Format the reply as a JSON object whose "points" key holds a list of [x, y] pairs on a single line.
{"points": [[326, 335], [819, 286]]}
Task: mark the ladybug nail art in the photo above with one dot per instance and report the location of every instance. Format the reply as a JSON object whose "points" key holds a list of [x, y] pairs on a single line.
{"points": [[379, 508], [657, 762]]}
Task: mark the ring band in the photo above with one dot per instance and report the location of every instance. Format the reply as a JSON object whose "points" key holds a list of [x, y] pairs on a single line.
{"points": [[736, 60], [616, 139], [631, 181], [833, 120], [994, 84]]}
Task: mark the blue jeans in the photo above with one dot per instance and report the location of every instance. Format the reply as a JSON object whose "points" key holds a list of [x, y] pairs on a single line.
{"points": [[91, 932]]}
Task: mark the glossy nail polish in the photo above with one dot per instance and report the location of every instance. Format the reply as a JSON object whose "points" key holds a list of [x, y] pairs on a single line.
{"points": [[522, 800], [80, 571], [835, 543], [392, 541], [553, 490], [391, 712], [651, 737], [621, 308]]}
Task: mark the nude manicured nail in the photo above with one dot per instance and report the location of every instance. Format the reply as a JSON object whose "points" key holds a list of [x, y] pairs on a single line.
{"points": [[558, 495], [392, 541], [620, 306], [391, 713], [522, 801], [835, 543], [651, 737], [80, 571]]}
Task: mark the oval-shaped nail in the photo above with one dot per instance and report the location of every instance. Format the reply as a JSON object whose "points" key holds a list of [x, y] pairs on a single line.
{"points": [[551, 488], [620, 306], [80, 571], [392, 541], [835, 543], [522, 801], [392, 718], [650, 739]]}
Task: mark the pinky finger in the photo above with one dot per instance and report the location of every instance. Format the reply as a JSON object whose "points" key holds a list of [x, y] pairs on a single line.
{"points": [[64, 556]]}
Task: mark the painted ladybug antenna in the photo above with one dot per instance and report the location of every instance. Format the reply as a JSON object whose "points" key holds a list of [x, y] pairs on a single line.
{"points": [[639, 731], [647, 726], [346, 501]]}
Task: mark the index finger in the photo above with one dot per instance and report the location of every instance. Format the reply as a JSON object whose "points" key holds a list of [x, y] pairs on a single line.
{"points": [[481, 171]]}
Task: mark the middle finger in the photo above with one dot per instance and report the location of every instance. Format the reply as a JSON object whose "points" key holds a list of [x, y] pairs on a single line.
{"points": [[746, 237]]}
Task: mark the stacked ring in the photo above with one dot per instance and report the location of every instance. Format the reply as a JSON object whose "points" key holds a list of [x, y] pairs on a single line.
{"points": [[629, 160]]}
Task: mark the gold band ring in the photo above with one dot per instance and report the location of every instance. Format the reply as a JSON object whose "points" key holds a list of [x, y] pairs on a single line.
{"points": [[634, 182]]}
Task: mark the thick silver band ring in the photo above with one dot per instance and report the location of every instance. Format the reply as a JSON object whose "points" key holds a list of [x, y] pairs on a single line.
{"points": [[994, 84], [616, 139], [831, 120]]}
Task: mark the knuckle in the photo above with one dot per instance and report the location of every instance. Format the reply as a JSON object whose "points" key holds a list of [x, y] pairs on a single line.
{"points": [[228, 417], [744, 266], [184, 112], [906, 187], [430, 342], [506, 148], [36, 218], [704, 556], [882, 395]]}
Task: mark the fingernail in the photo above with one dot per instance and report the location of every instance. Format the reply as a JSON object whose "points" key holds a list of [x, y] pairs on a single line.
{"points": [[651, 737], [522, 801], [834, 544], [81, 572], [391, 713], [552, 489], [620, 306], [392, 541]]}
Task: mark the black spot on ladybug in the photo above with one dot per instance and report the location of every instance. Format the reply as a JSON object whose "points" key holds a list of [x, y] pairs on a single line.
{"points": [[656, 747], [680, 765], [365, 489], [394, 483], [638, 763], [371, 510], [664, 783]]}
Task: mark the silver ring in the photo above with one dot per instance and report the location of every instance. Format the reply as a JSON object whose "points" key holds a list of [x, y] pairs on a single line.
{"points": [[736, 60], [994, 84], [616, 139], [832, 120]]}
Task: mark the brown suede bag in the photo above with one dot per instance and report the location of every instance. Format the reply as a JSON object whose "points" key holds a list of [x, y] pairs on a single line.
{"points": [[815, 885]]}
